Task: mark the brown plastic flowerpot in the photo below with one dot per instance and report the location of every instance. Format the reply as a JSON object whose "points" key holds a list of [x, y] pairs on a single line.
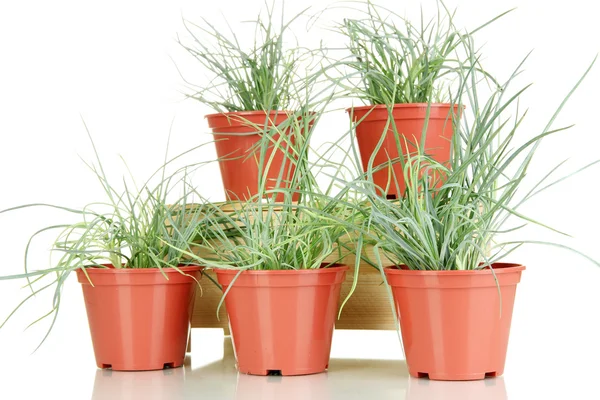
{"points": [[409, 120], [454, 324], [236, 134], [282, 321], [139, 320]]}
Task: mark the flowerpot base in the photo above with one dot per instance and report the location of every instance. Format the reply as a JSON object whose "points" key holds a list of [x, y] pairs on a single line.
{"points": [[451, 325], [284, 372], [282, 320], [143, 367], [139, 321], [455, 377]]}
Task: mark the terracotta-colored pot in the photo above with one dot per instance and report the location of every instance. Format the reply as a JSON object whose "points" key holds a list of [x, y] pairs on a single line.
{"points": [[454, 324], [282, 320], [139, 320], [236, 134], [409, 120]]}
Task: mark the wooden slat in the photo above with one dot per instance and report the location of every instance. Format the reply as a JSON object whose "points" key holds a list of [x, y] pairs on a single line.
{"points": [[205, 308]]}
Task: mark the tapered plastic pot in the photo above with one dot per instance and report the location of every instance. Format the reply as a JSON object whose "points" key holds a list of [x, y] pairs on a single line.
{"points": [[139, 320], [236, 136], [282, 321], [455, 324], [409, 120]]}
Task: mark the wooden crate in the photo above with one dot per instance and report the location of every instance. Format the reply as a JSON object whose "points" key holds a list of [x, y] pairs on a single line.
{"points": [[368, 308]]}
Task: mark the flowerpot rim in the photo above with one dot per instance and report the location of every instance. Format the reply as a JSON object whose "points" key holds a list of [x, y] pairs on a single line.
{"points": [[403, 105], [332, 269], [247, 113], [112, 270], [220, 122], [499, 268]]}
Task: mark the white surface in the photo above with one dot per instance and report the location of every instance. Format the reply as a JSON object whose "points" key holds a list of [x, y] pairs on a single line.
{"points": [[210, 373], [111, 63]]}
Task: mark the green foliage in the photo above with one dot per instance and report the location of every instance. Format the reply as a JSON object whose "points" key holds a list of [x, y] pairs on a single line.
{"points": [[263, 77], [399, 62], [137, 228], [273, 231], [452, 215]]}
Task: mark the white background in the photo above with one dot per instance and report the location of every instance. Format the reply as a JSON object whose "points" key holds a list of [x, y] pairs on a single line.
{"points": [[113, 63]]}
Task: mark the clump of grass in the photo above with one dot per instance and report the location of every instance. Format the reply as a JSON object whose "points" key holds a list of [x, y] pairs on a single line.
{"points": [[263, 77], [399, 62], [452, 216], [136, 228], [264, 234]]}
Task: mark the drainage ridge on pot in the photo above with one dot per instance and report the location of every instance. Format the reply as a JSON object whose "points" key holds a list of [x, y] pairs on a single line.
{"points": [[282, 321], [139, 317], [455, 324]]}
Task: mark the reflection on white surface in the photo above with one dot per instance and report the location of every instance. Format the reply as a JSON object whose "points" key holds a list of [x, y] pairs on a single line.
{"points": [[314, 387], [163, 384], [488, 389], [346, 379], [210, 373], [360, 379]]}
